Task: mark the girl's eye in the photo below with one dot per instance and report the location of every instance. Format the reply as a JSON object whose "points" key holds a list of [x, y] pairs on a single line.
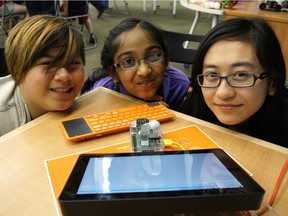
{"points": [[240, 74], [211, 74], [128, 61], [154, 56], [72, 66], [43, 61]]}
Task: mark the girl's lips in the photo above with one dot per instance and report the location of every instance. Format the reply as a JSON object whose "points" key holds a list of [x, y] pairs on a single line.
{"points": [[228, 106], [61, 90], [145, 83]]}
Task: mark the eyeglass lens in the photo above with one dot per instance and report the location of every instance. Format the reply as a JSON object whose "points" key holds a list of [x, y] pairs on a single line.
{"points": [[132, 63], [239, 79]]}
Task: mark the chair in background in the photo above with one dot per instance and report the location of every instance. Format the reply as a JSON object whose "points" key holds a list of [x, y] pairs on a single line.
{"points": [[174, 4], [176, 46], [78, 10], [3, 64], [155, 6], [115, 8], [200, 8], [41, 7], [6, 17]]}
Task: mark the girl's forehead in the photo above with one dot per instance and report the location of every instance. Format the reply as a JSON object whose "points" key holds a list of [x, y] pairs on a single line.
{"points": [[135, 36], [52, 51]]}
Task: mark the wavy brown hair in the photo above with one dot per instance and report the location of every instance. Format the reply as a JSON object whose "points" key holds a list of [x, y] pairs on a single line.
{"points": [[31, 38]]}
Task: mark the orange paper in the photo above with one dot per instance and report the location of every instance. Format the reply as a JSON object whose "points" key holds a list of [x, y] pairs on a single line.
{"points": [[59, 169]]}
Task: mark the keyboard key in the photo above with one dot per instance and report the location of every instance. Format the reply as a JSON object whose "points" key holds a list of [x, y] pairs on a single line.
{"points": [[100, 124]]}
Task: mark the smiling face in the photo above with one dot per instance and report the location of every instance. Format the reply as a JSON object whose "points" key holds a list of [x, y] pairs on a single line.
{"points": [[52, 90], [234, 105], [145, 80]]}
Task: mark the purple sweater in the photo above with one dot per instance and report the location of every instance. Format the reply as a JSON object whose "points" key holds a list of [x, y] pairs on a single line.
{"points": [[173, 89]]}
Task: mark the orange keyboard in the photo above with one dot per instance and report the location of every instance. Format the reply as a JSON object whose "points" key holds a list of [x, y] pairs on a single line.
{"points": [[100, 124]]}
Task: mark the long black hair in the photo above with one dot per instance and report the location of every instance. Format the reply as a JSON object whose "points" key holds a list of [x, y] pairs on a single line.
{"points": [[268, 51], [111, 45]]}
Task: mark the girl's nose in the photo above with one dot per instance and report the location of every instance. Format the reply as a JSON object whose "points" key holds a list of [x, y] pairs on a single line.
{"points": [[62, 74], [224, 90], [143, 68]]}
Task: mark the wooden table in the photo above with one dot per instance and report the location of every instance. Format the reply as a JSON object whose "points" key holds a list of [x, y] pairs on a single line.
{"points": [[25, 188], [278, 21]]}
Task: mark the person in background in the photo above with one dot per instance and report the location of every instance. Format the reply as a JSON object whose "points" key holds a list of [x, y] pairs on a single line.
{"points": [[40, 7], [101, 6], [75, 8], [45, 57], [8, 8], [13, 8], [238, 80], [135, 62]]}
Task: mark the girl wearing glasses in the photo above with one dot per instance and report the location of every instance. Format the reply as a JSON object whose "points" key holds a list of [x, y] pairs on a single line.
{"points": [[238, 80], [135, 55]]}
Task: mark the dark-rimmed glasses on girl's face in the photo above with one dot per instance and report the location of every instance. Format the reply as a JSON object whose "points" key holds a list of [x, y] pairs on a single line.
{"points": [[237, 80], [131, 63]]}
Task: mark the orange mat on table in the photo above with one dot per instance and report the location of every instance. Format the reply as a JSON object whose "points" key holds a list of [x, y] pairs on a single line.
{"points": [[58, 169]]}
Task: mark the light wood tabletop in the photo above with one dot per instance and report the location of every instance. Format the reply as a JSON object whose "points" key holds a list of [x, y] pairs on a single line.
{"points": [[25, 188]]}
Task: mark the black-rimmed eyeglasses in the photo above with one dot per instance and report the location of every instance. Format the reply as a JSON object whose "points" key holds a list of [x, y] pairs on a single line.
{"points": [[132, 63], [238, 79]]}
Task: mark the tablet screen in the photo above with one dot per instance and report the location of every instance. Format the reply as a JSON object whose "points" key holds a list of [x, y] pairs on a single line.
{"points": [[155, 173], [158, 182]]}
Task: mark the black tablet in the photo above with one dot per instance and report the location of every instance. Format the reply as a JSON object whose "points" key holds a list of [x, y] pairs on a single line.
{"points": [[150, 183]]}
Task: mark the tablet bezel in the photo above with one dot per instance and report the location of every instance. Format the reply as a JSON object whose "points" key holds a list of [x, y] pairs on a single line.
{"points": [[249, 197]]}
